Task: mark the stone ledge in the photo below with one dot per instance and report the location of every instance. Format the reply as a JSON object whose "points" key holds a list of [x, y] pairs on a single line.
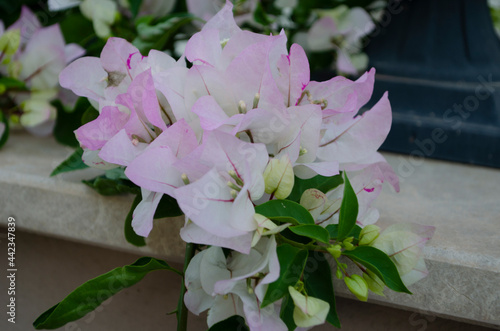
{"points": [[460, 200]]}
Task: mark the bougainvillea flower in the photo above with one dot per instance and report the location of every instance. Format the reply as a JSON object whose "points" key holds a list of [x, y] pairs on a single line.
{"points": [[404, 243], [225, 286]]}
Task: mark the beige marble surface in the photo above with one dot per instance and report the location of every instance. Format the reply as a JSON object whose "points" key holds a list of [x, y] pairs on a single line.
{"points": [[462, 201]]}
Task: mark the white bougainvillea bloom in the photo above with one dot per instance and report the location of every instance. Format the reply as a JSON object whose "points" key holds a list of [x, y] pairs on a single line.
{"points": [[404, 243], [235, 285], [35, 55]]}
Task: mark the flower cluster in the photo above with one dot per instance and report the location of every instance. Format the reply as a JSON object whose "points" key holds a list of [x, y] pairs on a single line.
{"points": [[230, 131], [31, 58]]}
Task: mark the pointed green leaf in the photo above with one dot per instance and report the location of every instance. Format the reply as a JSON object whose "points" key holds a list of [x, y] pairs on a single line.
{"points": [[322, 183], [333, 230], [72, 163], [130, 234], [91, 294], [286, 312], [318, 283], [10, 83], [312, 231], [348, 210], [69, 121], [285, 211], [106, 186], [292, 261], [380, 264], [168, 207], [234, 322]]}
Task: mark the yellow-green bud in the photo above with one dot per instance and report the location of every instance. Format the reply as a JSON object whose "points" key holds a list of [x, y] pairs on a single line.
{"points": [[368, 234], [357, 286], [347, 243], [339, 273], [9, 41], [279, 177], [314, 201], [335, 250], [2, 89], [375, 284]]}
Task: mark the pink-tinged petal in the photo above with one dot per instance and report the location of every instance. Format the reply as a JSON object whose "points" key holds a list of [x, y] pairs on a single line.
{"points": [[376, 159], [171, 84], [344, 64], [142, 94], [245, 266], [343, 114], [337, 90], [210, 113], [43, 58], [27, 23], [418, 273], [293, 74], [267, 126], [142, 221], [224, 308], [159, 61], [179, 137], [120, 149], [72, 52], [309, 170], [135, 125], [308, 120], [224, 22], [85, 77], [192, 233], [361, 137], [119, 56], [358, 24], [254, 65], [204, 80], [153, 170], [92, 159], [238, 42], [320, 35], [95, 134], [196, 299], [209, 204], [204, 48]]}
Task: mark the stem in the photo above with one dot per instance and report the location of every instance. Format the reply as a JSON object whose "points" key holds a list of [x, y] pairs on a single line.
{"points": [[302, 246], [182, 313]]}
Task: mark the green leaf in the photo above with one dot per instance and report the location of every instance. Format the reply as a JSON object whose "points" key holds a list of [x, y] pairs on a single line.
{"points": [[322, 183], [72, 163], [286, 313], [333, 230], [5, 135], [91, 294], [292, 261], [285, 211], [234, 322], [156, 35], [67, 122], [10, 83], [130, 234], [380, 264], [116, 173], [135, 5], [260, 16], [168, 207], [312, 231], [89, 115], [106, 186], [318, 283], [348, 210]]}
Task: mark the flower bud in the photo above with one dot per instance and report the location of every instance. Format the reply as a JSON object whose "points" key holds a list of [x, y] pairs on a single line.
{"points": [[339, 273], [308, 311], [335, 250], [347, 243], [279, 177], [375, 284], [9, 41], [314, 201], [368, 234], [357, 286]]}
